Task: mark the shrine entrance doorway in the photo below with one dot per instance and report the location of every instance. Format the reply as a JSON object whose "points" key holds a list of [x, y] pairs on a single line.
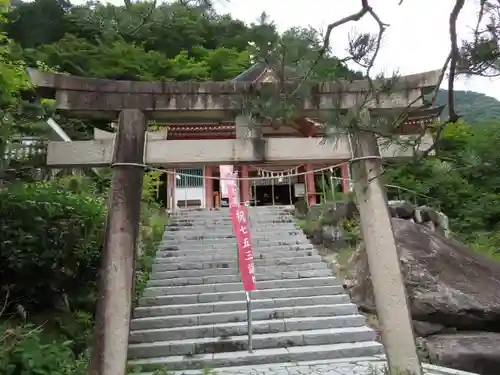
{"points": [[275, 191]]}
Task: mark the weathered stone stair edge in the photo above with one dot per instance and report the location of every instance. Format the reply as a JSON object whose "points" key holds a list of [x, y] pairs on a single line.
{"points": [[229, 277], [228, 229], [223, 259], [201, 222], [222, 279], [239, 296], [257, 238], [335, 366], [165, 265], [231, 287], [227, 247], [231, 243], [241, 328], [292, 354], [223, 210], [260, 341], [235, 271], [228, 306], [240, 315], [231, 237], [224, 254]]}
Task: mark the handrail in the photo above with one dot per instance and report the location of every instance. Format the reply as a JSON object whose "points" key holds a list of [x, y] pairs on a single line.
{"points": [[415, 193]]}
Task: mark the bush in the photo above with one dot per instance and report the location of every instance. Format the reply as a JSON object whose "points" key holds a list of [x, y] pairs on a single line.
{"points": [[24, 351], [50, 241]]}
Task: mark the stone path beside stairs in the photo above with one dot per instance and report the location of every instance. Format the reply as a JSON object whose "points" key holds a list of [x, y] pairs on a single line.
{"points": [[375, 365], [348, 366]]}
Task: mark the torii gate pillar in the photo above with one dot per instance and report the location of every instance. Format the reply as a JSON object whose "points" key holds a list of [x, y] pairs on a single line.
{"points": [[116, 279]]}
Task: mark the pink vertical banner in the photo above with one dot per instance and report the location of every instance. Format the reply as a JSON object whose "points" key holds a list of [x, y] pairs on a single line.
{"points": [[239, 217]]}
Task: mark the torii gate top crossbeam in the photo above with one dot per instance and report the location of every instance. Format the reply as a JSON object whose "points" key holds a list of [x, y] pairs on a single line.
{"points": [[103, 98]]}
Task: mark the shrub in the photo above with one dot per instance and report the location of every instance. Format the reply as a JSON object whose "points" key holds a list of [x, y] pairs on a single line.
{"points": [[24, 351], [50, 241]]}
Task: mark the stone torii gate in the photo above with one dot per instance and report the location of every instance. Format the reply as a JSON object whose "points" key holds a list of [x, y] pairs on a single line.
{"points": [[135, 103]]}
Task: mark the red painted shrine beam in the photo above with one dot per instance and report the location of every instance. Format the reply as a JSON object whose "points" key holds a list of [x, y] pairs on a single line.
{"points": [[102, 98]]}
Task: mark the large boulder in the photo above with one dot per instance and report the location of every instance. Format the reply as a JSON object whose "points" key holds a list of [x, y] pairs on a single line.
{"points": [[446, 282], [477, 352]]}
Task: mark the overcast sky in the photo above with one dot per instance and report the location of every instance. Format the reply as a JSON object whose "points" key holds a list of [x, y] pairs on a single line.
{"points": [[416, 41]]}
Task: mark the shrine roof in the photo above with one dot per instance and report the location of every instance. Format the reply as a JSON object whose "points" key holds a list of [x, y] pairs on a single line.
{"points": [[412, 115], [252, 74]]}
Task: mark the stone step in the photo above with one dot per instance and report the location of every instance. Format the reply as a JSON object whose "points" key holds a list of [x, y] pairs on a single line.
{"points": [[260, 341], [164, 264], [214, 237], [231, 246], [241, 316], [194, 245], [223, 209], [241, 328], [290, 229], [231, 252], [228, 257], [220, 279], [200, 222], [173, 251], [233, 287], [234, 271], [277, 239], [225, 212], [273, 293], [231, 243], [228, 306], [228, 228], [263, 356], [175, 256]]}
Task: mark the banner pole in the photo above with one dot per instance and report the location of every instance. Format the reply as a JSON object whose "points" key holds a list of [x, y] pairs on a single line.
{"points": [[249, 321], [240, 217]]}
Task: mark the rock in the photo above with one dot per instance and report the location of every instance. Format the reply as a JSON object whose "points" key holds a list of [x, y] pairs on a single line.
{"points": [[332, 212], [424, 329], [477, 352], [333, 237], [446, 282], [401, 209], [430, 225]]}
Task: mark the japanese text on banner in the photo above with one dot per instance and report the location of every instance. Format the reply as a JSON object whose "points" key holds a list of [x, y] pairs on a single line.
{"points": [[239, 215]]}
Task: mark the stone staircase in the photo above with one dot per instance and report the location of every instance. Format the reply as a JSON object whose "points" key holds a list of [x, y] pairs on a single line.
{"points": [[193, 312]]}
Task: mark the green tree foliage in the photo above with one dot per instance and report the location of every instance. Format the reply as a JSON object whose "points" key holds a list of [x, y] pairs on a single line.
{"points": [[173, 41], [57, 250]]}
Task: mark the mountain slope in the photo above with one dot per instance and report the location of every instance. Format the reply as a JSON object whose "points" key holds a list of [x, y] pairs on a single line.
{"points": [[474, 107]]}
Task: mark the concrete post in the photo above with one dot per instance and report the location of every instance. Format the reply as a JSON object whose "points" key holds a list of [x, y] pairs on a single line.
{"points": [[345, 175], [209, 187], [310, 185], [116, 284], [244, 184], [390, 297]]}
